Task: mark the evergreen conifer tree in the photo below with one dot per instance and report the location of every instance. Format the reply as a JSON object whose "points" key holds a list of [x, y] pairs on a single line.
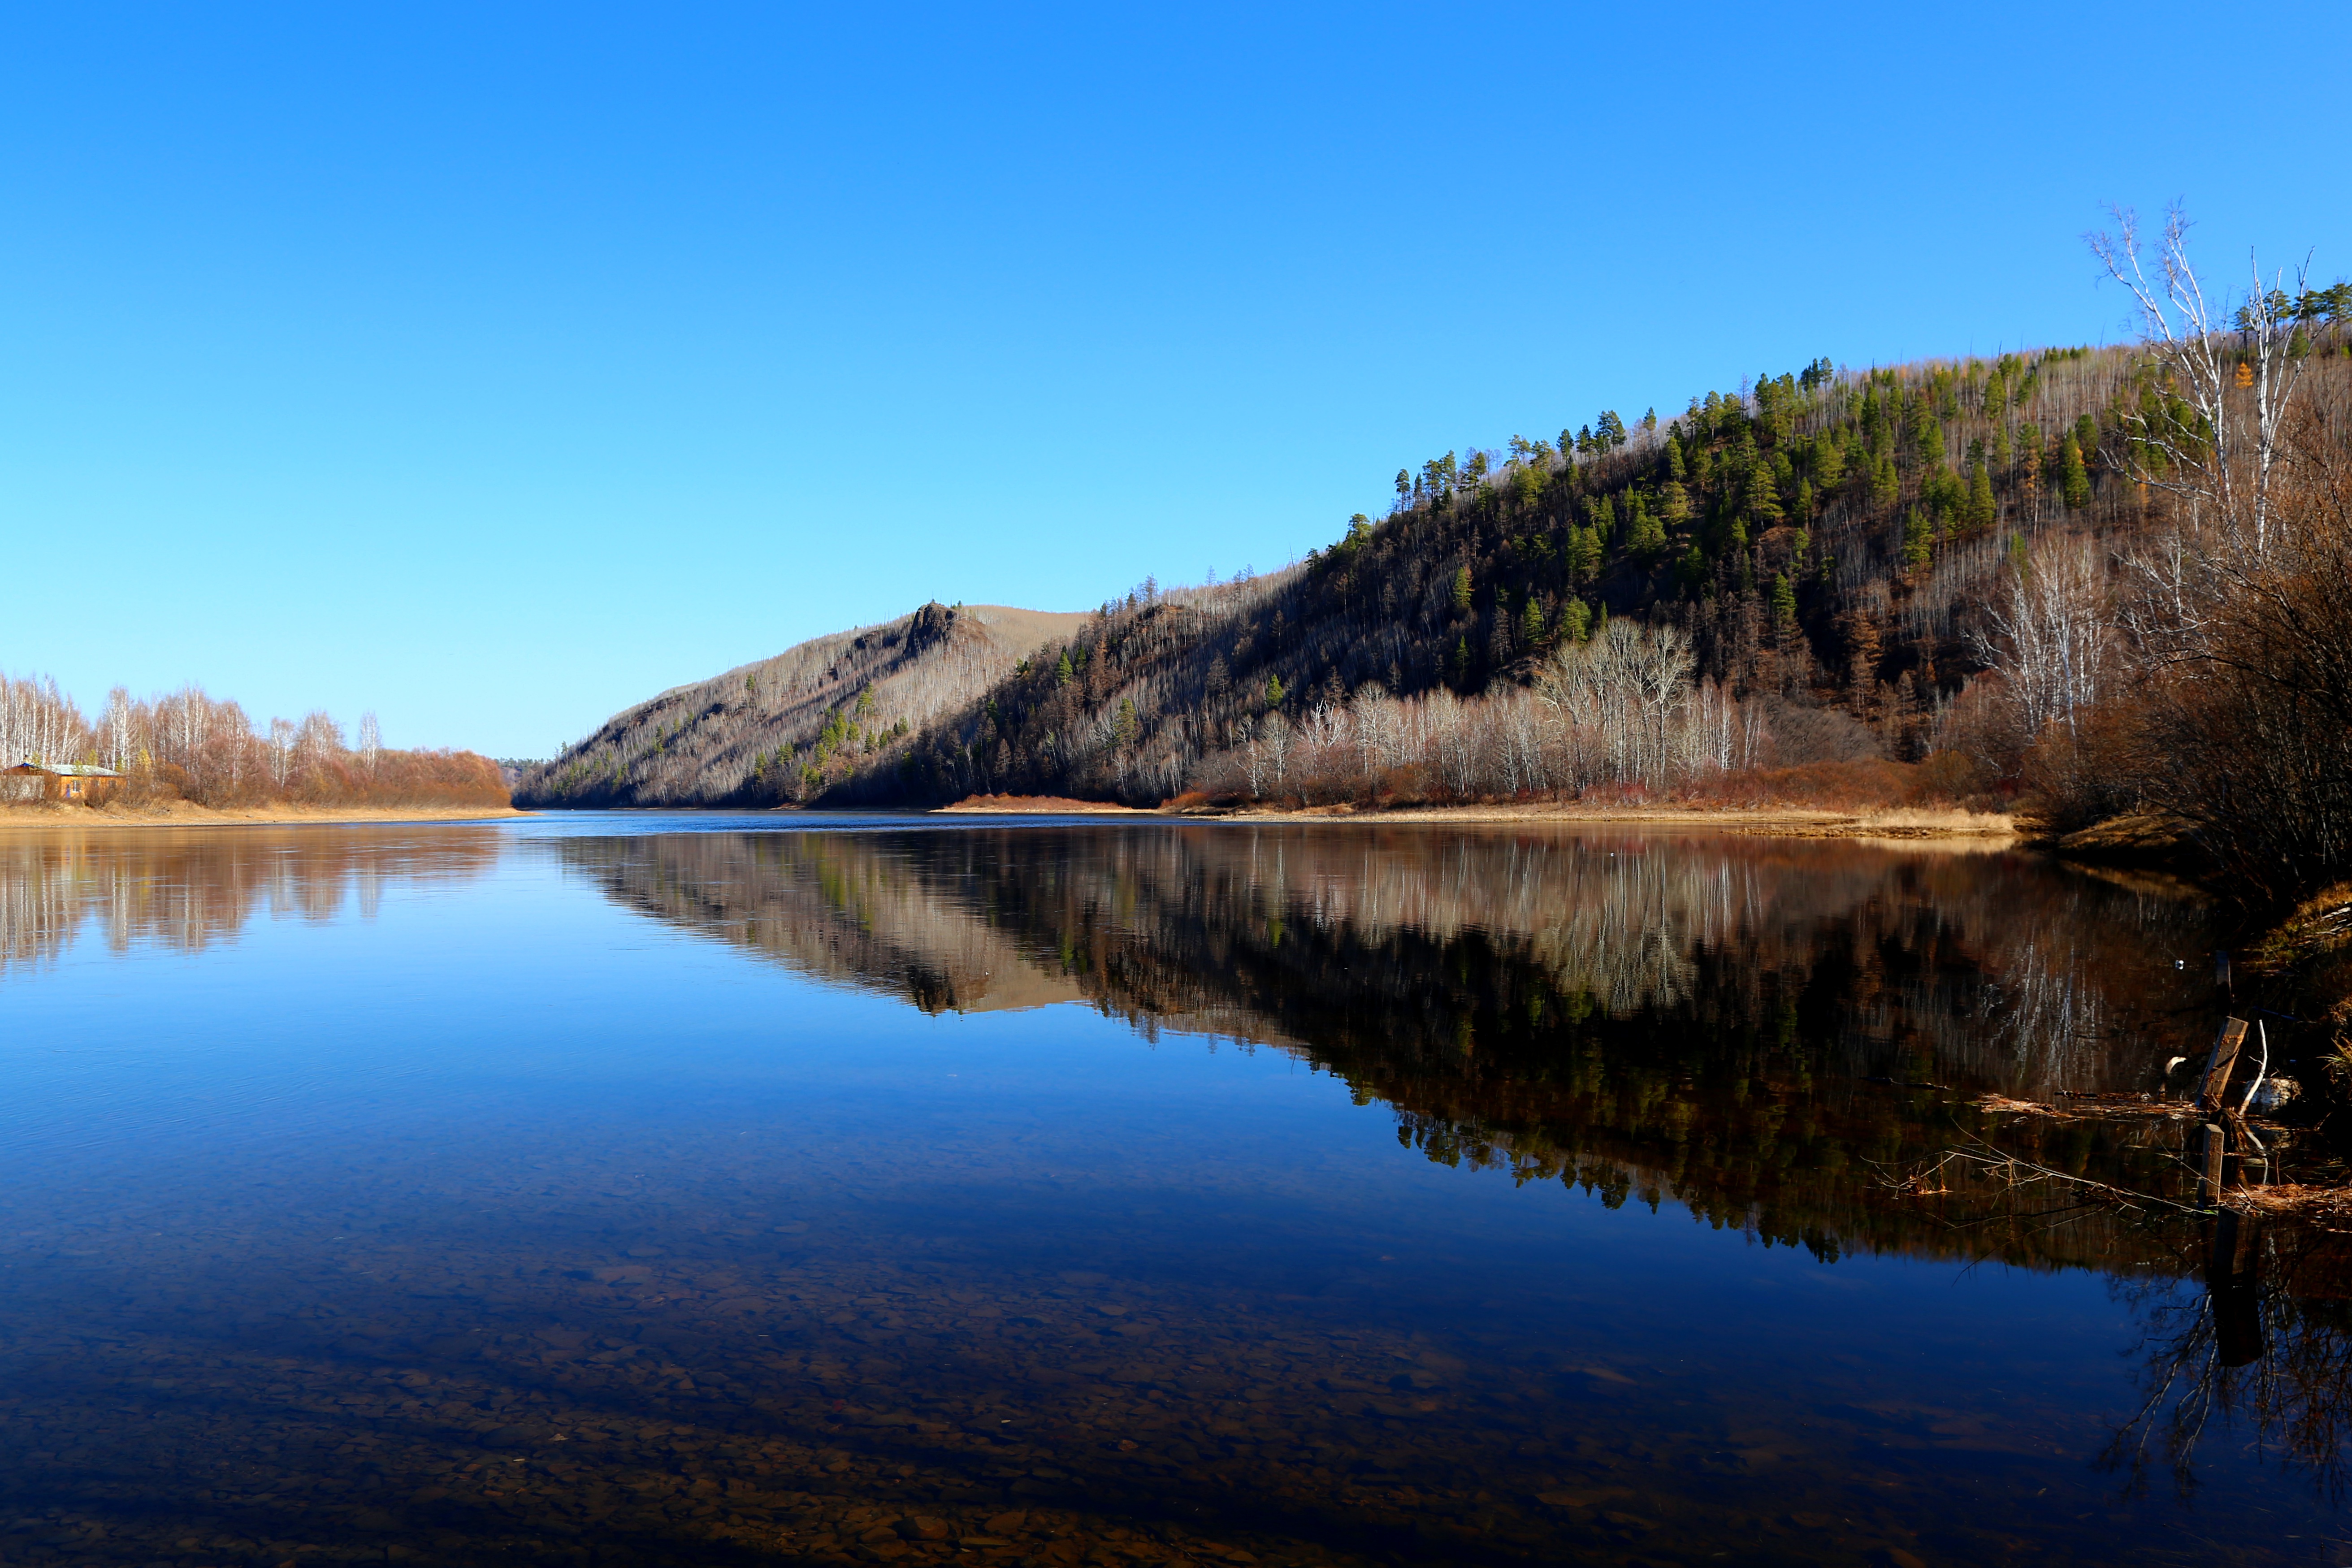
{"points": [[2073, 478], [1461, 591], [1979, 512], [1675, 510], [1927, 432], [1886, 484], [1918, 535]]}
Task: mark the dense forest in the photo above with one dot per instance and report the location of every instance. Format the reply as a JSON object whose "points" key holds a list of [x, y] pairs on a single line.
{"points": [[190, 745], [1932, 581]]}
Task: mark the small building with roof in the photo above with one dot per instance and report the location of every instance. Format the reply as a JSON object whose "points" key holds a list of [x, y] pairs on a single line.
{"points": [[75, 784]]}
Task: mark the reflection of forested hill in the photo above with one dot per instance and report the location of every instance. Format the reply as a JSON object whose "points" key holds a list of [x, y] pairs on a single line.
{"points": [[837, 908], [1684, 1015], [190, 890]]}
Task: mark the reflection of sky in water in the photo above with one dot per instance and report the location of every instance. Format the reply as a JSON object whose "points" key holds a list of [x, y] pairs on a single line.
{"points": [[413, 1225]]}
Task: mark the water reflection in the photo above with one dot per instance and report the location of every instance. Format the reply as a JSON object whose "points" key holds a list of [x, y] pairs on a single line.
{"points": [[1726, 1021], [187, 890], [770, 1262]]}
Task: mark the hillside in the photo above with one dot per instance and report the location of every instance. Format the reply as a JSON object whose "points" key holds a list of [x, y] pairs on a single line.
{"points": [[1949, 581], [1828, 544], [790, 728]]}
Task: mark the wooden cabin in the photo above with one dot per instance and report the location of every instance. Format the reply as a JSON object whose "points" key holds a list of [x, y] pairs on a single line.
{"points": [[71, 784]]}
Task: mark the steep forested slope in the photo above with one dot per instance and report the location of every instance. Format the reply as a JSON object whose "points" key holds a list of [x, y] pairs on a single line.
{"points": [[1827, 539], [790, 727]]}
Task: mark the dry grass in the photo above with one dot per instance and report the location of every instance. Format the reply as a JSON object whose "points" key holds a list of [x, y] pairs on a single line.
{"points": [[2324, 1208], [1981, 830], [1035, 805]]}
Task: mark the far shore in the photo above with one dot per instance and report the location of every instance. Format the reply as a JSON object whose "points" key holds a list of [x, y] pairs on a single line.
{"points": [[1789, 822], [1985, 829], [186, 813]]}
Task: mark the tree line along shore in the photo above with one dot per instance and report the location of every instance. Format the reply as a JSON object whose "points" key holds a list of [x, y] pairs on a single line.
{"points": [[189, 756]]}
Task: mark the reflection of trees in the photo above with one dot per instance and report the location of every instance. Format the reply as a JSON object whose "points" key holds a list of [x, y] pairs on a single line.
{"points": [[2266, 1347], [1677, 1016], [837, 908], [188, 889]]}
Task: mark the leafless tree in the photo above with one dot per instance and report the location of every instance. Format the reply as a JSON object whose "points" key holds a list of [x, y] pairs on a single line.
{"points": [[2218, 462], [1275, 730], [281, 751], [2048, 634]]}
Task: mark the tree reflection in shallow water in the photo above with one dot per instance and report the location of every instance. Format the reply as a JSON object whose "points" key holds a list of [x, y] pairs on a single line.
{"points": [[2267, 1346], [187, 890], [1703, 1017], [757, 1312]]}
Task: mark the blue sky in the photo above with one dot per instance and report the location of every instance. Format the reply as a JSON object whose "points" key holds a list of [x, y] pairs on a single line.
{"points": [[496, 367]]}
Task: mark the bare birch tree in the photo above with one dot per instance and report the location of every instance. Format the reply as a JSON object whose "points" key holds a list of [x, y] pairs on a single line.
{"points": [[2221, 463], [2049, 635]]}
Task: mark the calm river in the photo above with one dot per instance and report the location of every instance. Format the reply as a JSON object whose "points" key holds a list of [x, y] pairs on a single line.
{"points": [[649, 1188]]}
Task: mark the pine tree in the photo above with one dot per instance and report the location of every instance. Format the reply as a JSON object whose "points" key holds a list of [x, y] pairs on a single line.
{"points": [[1576, 620], [1886, 484], [1461, 591], [1980, 508], [2073, 478], [1674, 502], [1829, 462], [1532, 625], [1763, 495], [1273, 691], [1918, 534], [1928, 431], [1784, 602]]}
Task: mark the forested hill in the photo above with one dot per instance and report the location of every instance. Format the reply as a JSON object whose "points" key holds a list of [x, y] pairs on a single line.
{"points": [[1829, 542], [1828, 539], [791, 727]]}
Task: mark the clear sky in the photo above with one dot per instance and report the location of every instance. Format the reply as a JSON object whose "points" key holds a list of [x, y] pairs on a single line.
{"points": [[495, 366]]}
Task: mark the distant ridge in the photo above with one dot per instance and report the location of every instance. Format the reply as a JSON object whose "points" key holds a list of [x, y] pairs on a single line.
{"points": [[782, 730]]}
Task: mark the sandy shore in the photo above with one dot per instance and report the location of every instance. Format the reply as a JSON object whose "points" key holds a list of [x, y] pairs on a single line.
{"points": [[183, 814], [1037, 805]]}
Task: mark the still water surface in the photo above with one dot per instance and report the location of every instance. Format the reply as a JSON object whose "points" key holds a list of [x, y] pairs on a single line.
{"points": [[691, 1189]]}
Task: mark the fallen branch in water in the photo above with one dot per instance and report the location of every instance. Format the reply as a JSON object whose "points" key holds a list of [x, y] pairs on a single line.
{"points": [[2006, 1172], [2108, 1108]]}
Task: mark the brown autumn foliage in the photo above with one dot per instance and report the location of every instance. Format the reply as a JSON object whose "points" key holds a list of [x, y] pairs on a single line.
{"points": [[189, 745], [434, 777], [2250, 742]]}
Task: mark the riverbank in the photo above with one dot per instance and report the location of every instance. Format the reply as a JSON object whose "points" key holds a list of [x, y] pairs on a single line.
{"points": [[187, 814], [1789, 822], [1776, 822]]}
